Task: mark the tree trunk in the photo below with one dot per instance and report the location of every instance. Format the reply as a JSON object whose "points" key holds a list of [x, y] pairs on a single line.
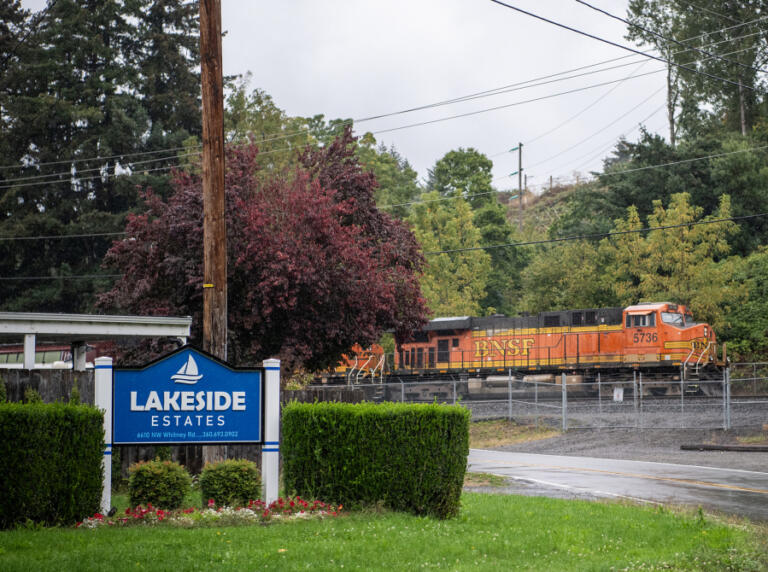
{"points": [[671, 104]]}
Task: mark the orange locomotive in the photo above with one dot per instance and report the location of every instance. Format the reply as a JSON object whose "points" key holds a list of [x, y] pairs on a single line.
{"points": [[652, 337], [358, 365]]}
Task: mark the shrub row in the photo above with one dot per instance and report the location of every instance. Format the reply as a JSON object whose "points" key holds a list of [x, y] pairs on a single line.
{"points": [[164, 484], [50, 462], [410, 457]]}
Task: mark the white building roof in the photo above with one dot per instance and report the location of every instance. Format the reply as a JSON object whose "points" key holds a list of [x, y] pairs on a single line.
{"points": [[89, 327]]}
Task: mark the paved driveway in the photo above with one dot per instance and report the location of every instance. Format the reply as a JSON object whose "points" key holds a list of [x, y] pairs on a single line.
{"points": [[732, 491]]}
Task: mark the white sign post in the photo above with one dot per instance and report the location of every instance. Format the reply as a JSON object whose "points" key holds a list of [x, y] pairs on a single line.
{"points": [[270, 451], [103, 399]]}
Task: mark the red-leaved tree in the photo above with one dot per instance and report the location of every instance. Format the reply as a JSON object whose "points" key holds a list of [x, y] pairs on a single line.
{"points": [[313, 265]]}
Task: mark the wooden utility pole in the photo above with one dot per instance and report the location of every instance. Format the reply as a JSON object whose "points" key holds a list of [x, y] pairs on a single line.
{"points": [[520, 184], [214, 209]]}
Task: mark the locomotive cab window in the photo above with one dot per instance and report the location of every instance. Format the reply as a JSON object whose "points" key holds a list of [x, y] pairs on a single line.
{"points": [[641, 320], [672, 318]]}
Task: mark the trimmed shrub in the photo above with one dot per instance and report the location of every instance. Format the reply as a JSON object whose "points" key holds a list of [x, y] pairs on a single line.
{"points": [[410, 457], [32, 396], [231, 483], [50, 462], [164, 484], [74, 395]]}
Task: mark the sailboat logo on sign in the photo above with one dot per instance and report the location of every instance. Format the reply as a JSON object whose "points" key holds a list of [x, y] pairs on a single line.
{"points": [[187, 374]]}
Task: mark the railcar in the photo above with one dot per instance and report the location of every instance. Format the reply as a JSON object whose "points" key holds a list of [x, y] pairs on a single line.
{"points": [[654, 338]]}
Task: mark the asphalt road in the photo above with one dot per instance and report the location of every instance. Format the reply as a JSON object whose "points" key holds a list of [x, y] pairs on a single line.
{"points": [[728, 490]]}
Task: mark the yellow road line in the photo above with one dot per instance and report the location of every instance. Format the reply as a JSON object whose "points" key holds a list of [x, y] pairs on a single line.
{"points": [[635, 475]]}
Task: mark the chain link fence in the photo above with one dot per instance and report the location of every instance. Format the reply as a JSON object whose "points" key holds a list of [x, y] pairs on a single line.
{"points": [[592, 402]]}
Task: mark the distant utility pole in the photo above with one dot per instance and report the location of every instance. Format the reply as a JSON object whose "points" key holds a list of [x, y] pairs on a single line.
{"points": [[214, 221], [520, 184]]}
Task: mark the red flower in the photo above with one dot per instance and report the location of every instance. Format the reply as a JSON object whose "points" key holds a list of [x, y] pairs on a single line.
{"points": [[211, 503]]}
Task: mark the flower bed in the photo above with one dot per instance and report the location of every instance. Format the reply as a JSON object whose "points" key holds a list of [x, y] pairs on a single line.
{"points": [[255, 512]]}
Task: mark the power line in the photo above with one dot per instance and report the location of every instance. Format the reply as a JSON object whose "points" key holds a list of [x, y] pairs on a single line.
{"points": [[623, 47], [468, 97], [453, 198], [584, 110], [496, 91], [71, 175], [120, 156], [611, 124], [599, 131], [61, 236], [605, 148], [91, 178], [74, 179], [514, 104], [69, 277], [673, 40], [596, 235], [703, 9], [469, 197], [419, 124], [672, 163], [714, 156], [630, 76], [94, 169]]}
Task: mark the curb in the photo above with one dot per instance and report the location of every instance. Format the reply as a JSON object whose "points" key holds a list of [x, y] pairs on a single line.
{"points": [[703, 447]]}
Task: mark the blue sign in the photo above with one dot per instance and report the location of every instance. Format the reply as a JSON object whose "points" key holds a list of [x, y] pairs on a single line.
{"points": [[187, 397]]}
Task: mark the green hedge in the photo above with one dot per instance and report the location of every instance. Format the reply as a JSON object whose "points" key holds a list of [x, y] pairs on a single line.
{"points": [[50, 462], [233, 482], [163, 484], [410, 457]]}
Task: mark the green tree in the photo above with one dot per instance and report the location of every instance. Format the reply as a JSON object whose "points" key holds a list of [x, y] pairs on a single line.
{"points": [[398, 182], [741, 51], [504, 281], [746, 325], [686, 264], [167, 55], [254, 116], [743, 176], [465, 173], [588, 209], [649, 21], [454, 283], [70, 103], [96, 82], [565, 275]]}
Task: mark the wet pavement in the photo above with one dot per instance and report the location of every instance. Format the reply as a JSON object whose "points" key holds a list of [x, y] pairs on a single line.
{"points": [[731, 491]]}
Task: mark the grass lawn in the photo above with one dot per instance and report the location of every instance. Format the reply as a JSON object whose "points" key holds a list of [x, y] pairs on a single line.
{"points": [[493, 532], [500, 432], [757, 439]]}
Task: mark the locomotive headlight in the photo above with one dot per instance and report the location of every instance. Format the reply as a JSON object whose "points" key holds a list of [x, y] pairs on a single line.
{"points": [[705, 330]]}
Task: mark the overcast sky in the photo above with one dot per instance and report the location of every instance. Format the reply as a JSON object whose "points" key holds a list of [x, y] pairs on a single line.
{"points": [[358, 58]]}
